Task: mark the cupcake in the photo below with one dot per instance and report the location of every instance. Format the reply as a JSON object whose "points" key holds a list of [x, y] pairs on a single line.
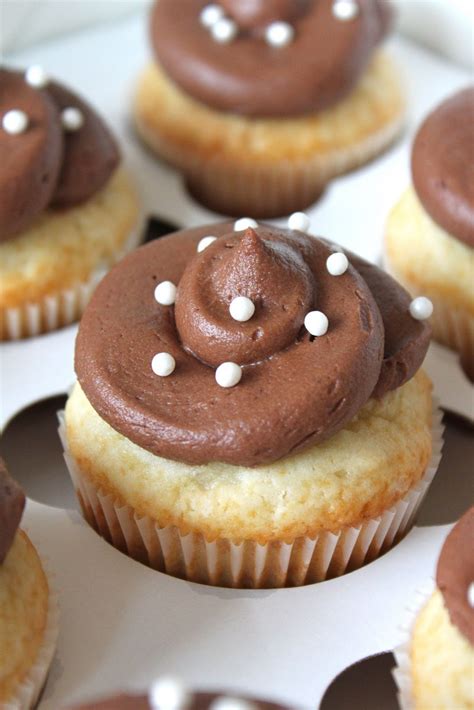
{"points": [[28, 609], [430, 232], [250, 409], [170, 694], [68, 210], [435, 668], [259, 104]]}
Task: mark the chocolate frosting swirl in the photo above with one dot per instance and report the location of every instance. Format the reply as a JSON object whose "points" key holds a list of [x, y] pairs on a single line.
{"points": [[45, 165], [443, 165], [12, 503], [455, 573], [318, 68], [197, 701], [296, 390]]}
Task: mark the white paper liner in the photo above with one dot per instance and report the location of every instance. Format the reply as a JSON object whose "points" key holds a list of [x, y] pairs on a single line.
{"points": [[248, 564], [28, 692], [402, 671], [58, 309]]}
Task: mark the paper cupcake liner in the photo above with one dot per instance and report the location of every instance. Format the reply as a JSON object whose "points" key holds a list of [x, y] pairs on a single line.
{"points": [[28, 692], [248, 564], [402, 671], [268, 190], [58, 309]]}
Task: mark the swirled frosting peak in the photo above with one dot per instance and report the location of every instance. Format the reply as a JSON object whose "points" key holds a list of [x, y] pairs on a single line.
{"points": [[270, 58], [256, 346], [55, 151]]}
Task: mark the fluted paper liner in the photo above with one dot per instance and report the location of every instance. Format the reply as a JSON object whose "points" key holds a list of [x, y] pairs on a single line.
{"points": [[402, 671], [58, 309], [28, 692], [248, 564]]}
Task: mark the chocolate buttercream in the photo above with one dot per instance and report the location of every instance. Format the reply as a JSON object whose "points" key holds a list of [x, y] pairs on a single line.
{"points": [[455, 574], [318, 68], [197, 701], [296, 389], [12, 503], [46, 165], [443, 165]]}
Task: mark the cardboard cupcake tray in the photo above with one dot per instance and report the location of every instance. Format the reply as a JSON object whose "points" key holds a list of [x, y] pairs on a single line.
{"points": [[123, 624]]}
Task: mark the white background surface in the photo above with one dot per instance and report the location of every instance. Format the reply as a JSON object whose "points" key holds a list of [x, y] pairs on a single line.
{"points": [[124, 623]]}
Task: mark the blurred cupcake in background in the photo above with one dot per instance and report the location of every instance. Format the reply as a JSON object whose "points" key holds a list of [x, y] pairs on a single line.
{"points": [[261, 102], [430, 231], [435, 666], [68, 209], [28, 607]]}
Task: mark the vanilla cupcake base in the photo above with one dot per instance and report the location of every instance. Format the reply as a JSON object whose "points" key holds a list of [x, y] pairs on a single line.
{"points": [[250, 562], [30, 682], [268, 167], [430, 262], [435, 662], [48, 273]]}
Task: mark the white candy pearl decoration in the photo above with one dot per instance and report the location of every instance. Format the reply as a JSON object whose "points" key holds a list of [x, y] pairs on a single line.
{"points": [[168, 694], [15, 122], [244, 223], [211, 14], [205, 242], [228, 374], [165, 293], [36, 77], [345, 9], [241, 309], [224, 703], [163, 364], [421, 308], [337, 264], [279, 34], [316, 323], [299, 221], [72, 119], [470, 594], [224, 31]]}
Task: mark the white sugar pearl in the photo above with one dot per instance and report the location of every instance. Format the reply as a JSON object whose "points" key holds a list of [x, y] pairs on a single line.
{"points": [[345, 9], [279, 34], [470, 594], [211, 14], [299, 221], [168, 694], [163, 364], [228, 374], [224, 30], [316, 323], [421, 308], [244, 223], [205, 242], [36, 77], [242, 309], [223, 703], [337, 264], [165, 293], [15, 122], [72, 119]]}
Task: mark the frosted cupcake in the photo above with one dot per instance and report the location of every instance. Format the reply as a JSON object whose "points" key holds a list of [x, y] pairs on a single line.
{"points": [[436, 667], [430, 232], [260, 104], [28, 611], [68, 210], [250, 410]]}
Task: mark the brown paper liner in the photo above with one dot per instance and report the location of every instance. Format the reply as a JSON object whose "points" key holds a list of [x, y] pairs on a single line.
{"points": [[267, 190], [59, 309], [28, 692], [248, 564], [402, 671]]}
